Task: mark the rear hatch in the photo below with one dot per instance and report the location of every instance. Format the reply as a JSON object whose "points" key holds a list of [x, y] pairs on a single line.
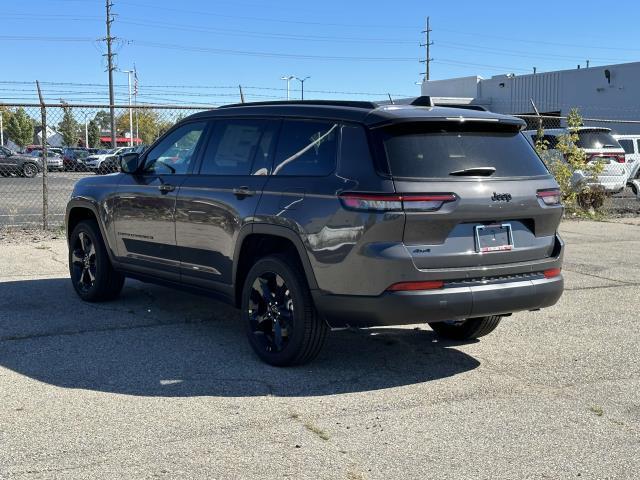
{"points": [[476, 193], [600, 145]]}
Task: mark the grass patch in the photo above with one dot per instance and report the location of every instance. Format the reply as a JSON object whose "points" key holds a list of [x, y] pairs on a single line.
{"points": [[317, 430], [597, 409]]}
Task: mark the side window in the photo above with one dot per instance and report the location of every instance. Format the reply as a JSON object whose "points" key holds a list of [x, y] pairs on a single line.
{"points": [[233, 146], [306, 148], [627, 145], [174, 153], [637, 146]]}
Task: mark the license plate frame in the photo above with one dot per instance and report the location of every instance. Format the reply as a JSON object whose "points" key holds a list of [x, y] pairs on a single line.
{"points": [[499, 228]]}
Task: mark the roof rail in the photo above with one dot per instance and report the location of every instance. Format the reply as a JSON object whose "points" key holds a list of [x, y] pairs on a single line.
{"points": [[329, 103]]}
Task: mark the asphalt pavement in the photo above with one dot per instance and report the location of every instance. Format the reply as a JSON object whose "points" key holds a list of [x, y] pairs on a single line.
{"points": [[162, 384], [21, 198]]}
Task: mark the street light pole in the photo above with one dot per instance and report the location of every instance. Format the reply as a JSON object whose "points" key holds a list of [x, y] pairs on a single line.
{"points": [[129, 72], [288, 79], [86, 131], [302, 80]]}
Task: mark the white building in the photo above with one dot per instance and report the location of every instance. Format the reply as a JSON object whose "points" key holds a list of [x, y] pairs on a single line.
{"points": [[608, 92]]}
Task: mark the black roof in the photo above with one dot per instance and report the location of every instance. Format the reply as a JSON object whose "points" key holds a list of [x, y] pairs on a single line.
{"points": [[368, 113]]}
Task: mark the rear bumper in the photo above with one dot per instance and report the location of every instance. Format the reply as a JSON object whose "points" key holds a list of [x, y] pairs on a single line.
{"points": [[449, 303]]}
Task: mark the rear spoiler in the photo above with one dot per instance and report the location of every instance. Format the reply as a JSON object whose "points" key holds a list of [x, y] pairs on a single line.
{"points": [[461, 123]]}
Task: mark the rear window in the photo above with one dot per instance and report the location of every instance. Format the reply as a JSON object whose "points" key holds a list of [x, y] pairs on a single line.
{"points": [[437, 154], [597, 139]]}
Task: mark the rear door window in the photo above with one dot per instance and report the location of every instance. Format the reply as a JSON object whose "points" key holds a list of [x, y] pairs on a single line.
{"points": [[306, 148], [412, 153]]}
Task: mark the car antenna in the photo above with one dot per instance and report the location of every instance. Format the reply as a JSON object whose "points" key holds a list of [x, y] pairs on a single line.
{"points": [[391, 99]]}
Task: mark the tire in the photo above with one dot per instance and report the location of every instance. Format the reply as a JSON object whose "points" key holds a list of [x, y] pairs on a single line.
{"points": [[29, 170], [283, 326], [92, 274], [468, 329]]}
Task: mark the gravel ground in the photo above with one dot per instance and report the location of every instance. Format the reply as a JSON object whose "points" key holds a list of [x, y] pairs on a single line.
{"points": [[162, 384]]}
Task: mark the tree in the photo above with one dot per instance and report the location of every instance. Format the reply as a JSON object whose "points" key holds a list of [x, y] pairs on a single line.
{"points": [[6, 115], [568, 163], [93, 134], [103, 120], [69, 127], [149, 123], [20, 128]]}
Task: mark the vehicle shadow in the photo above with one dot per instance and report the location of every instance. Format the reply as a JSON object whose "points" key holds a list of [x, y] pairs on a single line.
{"points": [[154, 341]]}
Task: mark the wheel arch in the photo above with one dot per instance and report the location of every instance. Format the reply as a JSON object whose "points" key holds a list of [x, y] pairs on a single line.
{"points": [[258, 240], [79, 210]]}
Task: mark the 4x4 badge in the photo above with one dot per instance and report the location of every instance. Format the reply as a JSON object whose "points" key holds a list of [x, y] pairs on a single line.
{"points": [[501, 197]]}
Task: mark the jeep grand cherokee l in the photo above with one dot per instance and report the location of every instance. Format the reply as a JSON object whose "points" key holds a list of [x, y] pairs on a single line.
{"points": [[317, 214]]}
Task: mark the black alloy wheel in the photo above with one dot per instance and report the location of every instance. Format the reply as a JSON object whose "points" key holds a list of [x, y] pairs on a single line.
{"points": [[271, 312], [282, 324], [83, 262], [92, 275]]}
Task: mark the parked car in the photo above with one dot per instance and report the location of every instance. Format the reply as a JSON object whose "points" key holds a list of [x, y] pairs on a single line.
{"points": [[599, 145], [73, 159], [20, 165], [54, 161], [631, 146], [94, 162], [311, 215]]}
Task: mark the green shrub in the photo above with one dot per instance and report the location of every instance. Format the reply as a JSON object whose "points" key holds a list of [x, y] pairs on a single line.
{"points": [[580, 198]]}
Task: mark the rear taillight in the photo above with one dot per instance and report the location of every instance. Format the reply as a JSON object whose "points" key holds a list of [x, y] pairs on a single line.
{"points": [[413, 286], [424, 202], [552, 272], [620, 158], [549, 197]]}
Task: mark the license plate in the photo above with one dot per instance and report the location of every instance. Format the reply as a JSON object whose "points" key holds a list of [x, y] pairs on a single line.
{"points": [[493, 238]]}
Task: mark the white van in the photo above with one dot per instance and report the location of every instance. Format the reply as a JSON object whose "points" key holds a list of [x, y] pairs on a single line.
{"points": [[599, 145]]}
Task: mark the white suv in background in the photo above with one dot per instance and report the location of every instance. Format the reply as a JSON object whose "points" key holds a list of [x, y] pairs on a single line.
{"points": [[599, 145], [631, 145], [93, 162]]}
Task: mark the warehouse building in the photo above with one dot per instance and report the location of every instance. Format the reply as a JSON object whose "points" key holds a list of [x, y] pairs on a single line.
{"points": [[607, 92]]}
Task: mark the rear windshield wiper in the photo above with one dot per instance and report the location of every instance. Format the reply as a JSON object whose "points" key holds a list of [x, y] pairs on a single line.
{"points": [[475, 171]]}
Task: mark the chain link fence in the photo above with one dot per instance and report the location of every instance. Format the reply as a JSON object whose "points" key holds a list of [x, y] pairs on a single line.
{"points": [[76, 142]]}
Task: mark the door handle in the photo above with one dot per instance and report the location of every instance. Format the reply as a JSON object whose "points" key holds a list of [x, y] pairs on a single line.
{"points": [[242, 192], [166, 187]]}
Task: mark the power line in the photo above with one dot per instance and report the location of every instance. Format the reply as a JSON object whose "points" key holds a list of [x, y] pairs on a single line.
{"points": [[221, 51], [263, 19], [254, 34]]}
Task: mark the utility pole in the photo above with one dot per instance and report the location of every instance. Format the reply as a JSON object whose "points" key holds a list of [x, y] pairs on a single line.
{"points": [[427, 61], [110, 68]]}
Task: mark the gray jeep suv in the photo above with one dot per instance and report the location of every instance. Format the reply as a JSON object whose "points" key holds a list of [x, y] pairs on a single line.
{"points": [[325, 214]]}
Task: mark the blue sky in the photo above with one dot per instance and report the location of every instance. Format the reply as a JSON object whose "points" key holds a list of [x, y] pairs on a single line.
{"points": [[198, 51]]}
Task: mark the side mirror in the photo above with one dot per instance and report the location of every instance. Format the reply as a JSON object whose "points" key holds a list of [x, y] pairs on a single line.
{"points": [[130, 162]]}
